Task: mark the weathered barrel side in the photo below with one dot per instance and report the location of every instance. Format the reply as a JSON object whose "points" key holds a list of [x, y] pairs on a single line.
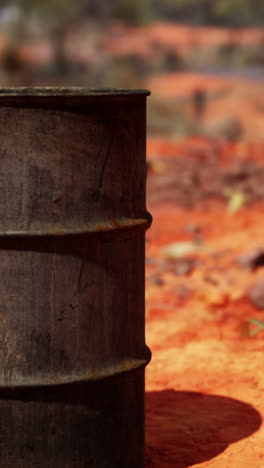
{"points": [[72, 243]]}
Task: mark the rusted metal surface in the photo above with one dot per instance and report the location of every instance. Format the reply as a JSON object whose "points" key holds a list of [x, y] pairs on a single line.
{"points": [[121, 224], [72, 228]]}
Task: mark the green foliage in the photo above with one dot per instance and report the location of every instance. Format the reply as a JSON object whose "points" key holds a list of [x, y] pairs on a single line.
{"points": [[48, 7], [259, 326], [134, 11], [239, 11], [229, 12], [236, 201]]}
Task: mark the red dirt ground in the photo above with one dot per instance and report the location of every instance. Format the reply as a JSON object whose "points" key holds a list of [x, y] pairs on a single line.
{"points": [[146, 40], [240, 99], [205, 384]]}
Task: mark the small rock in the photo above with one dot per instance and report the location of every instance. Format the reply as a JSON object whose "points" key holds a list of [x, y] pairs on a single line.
{"points": [[193, 228], [252, 259], [150, 261], [157, 280], [182, 291], [256, 295], [229, 127], [180, 249], [157, 166], [211, 280], [183, 266]]}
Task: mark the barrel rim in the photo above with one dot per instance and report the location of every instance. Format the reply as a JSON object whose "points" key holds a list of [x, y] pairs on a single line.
{"points": [[50, 91]]}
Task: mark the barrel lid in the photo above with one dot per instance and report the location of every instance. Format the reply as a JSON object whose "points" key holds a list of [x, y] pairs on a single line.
{"points": [[69, 91]]}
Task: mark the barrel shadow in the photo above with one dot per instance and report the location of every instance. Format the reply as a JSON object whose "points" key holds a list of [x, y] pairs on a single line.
{"points": [[187, 428]]}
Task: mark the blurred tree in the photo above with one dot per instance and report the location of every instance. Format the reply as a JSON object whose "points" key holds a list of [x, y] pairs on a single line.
{"points": [[246, 12], [57, 17], [134, 11], [230, 12], [52, 8], [196, 11], [54, 11]]}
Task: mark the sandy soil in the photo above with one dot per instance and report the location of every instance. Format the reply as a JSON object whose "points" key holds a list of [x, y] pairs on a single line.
{"points": [[204, 400]]}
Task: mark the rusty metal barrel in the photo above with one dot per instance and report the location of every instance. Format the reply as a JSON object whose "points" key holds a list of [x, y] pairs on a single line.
{"points": [[72, 245]]}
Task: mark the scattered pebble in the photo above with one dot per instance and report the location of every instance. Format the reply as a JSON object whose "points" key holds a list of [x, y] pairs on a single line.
{"points": [[211, 280], [180, 249], [157, 166], [256, 295], [157, 280], [182, 291], [252, 259], [193, 228], [183, 266], [150, 261]]}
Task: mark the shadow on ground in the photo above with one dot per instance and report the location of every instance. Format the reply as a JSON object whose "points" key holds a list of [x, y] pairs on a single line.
{"points": [[186, 428]]}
